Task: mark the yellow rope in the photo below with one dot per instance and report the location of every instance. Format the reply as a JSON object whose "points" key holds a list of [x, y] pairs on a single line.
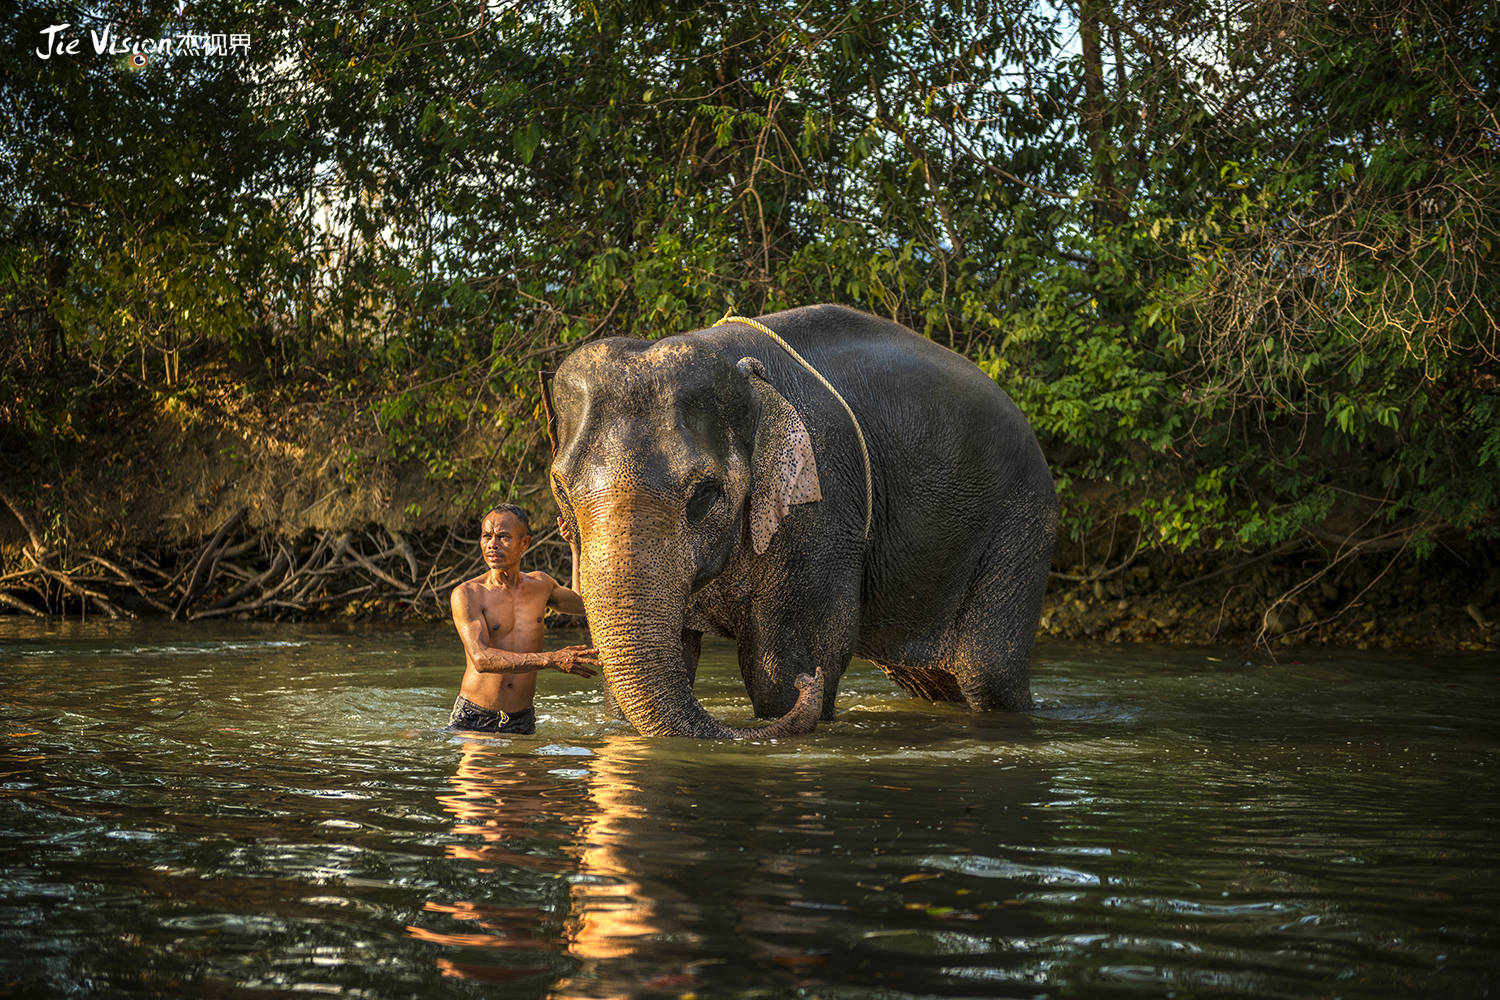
{"points": [[859, 434]]}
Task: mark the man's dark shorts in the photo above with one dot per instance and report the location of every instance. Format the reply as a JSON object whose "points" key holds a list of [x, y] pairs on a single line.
{"points": [[469, 717]]}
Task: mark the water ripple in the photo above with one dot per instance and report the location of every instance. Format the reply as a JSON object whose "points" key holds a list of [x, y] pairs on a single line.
{"points": [[241, 813]]}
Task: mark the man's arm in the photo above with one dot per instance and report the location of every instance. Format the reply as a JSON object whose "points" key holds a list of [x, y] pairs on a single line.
{"points": [[563, 599], [468, 618]]}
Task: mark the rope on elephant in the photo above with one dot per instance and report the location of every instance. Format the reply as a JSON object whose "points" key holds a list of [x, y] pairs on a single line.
{"points": [[859, 433]]}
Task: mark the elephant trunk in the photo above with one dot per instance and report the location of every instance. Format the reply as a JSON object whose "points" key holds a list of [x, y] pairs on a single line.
{"points": [[636, 601]]}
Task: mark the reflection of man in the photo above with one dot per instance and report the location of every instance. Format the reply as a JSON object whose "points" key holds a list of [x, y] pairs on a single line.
{"points": [[499, 618], [502, 806]]}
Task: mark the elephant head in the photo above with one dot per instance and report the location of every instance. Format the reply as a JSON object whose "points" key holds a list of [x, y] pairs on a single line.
{"points": [[668, 459]]}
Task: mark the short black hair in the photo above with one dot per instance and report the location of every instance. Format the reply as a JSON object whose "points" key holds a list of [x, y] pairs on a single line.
{"points": [[510, 508]]}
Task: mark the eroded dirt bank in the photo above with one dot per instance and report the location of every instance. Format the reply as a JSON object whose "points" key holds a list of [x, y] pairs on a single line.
{"points": [[1442, 604], [212, 508]]}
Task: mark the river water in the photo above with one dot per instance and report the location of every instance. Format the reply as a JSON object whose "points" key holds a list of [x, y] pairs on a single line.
{"points": [[254, 811]]}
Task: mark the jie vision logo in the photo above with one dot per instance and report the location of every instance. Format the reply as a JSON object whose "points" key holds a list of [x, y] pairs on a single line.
{"points": [[66, 40]]}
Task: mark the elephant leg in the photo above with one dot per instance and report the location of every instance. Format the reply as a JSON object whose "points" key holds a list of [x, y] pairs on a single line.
{"points": [[988, 648], [789, 634]]}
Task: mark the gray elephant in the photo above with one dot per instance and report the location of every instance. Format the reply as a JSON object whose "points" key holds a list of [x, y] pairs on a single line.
{"points": [[816, 484]]}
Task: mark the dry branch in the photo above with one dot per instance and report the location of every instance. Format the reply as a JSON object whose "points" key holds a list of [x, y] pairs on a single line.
{"points": [[20, 605], [132, 582], [247, 587], [100, 601], [15, 508], [198, 580], [379, 573], [404, 548]]}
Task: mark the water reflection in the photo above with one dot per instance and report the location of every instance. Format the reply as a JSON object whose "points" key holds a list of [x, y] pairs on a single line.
{"points": [[220, 822], [719, 868], [506, 801], [620, 906], [507, 810], [585, 830]]}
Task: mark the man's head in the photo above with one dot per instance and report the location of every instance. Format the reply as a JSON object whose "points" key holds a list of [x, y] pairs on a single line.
{"points": [[504, 536]]}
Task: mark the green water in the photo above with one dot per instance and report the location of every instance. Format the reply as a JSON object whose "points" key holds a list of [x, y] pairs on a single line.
{"points": [[265, 811]]}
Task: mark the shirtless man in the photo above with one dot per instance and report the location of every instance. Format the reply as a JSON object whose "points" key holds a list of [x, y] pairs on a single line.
{"points": [[499, 618]]}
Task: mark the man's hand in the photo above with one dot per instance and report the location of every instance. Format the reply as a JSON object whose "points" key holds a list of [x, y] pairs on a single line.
{"points": [[567, 536], [576, 660]]}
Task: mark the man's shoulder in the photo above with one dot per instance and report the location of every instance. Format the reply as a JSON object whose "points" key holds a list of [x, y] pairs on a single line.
{"points": [[470, 588], [542, 579]]}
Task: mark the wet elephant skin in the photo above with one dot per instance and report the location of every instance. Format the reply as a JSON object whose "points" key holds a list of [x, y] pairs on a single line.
{"points": [[710, 483]]}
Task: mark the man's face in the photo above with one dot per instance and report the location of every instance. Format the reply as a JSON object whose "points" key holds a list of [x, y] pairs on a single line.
{"points": [[502, 539]]}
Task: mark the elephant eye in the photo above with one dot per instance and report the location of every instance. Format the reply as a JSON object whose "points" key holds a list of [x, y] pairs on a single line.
{"points": [[705, 495]]}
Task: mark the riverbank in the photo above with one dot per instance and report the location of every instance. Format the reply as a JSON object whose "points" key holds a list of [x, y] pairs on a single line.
{"points": [[296, 507], [1445, 604], [386, 575]]}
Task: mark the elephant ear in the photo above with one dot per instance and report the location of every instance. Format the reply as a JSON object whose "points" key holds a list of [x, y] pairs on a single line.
{"points": [[783, 469], [545, 377]]}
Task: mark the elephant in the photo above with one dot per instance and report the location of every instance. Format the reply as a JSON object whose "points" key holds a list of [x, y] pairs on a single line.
{"points": [[815, 484]]}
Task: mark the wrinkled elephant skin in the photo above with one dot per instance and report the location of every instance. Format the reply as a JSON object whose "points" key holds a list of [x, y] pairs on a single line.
{"points": [[711, 483]]}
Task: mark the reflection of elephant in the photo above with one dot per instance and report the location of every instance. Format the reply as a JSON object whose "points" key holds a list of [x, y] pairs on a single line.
{"points": [[711, 482]]}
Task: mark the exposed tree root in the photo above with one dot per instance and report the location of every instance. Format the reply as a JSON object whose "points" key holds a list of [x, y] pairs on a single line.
{"points": [[241, 571]]}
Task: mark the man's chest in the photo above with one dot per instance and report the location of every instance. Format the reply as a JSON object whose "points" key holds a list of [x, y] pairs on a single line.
{"points": [[524, 612]]}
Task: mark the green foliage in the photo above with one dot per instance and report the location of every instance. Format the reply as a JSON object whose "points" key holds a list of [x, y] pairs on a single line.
{"points": [[1240, 274], [1279, 320]]}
